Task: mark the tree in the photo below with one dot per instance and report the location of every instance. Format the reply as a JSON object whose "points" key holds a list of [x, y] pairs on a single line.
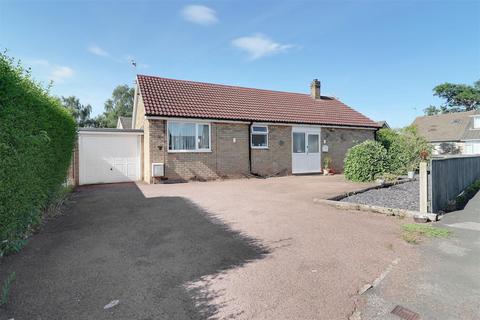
{"points": [[458, 98], [119, 105], [449, 148], [81, 113]]}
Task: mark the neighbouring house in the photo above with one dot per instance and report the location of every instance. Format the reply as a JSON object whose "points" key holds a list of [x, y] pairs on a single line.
{"points": [[124, 123], [451, 133], [195, 130], [383, 124]]}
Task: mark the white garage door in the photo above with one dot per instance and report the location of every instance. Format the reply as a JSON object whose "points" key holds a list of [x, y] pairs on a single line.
{"points": [[109, 157]]}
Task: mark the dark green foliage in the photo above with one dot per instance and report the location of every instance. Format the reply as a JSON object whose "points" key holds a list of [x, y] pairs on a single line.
{"points": [[449, 148], [458, 98], [120, 105], [386, 136], [403, 148], [36, 141], [365, 161], [7, 284], [81, 113], [462, 200]]}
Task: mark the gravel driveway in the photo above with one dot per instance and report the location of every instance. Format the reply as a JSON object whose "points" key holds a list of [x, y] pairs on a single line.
{"points": [[403, 196], [237, 249]]}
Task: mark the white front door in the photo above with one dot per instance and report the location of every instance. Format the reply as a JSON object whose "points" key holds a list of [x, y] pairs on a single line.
{"points": [[306, 150]]}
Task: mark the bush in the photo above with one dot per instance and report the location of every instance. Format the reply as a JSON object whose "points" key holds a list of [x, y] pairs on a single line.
{"points": [[365, 161], [37, 136], [386, 137], [405, 149]]}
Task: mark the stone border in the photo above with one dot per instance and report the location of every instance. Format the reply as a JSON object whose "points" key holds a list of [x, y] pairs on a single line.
{"points": [[363, 207], [415, 215], [380, 186]]}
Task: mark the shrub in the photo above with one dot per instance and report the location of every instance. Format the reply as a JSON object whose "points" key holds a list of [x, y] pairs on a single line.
{"points": [[36, 141], [405, 151], [365, 161], [404, 148], [386, 137]]}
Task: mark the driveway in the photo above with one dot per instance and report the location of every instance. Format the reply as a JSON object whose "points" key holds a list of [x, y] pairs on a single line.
{"points": [[444, 283], [243, 249]]}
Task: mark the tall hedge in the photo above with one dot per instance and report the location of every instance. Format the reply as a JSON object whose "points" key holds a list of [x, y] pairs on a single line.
{"points": [[37, 136]]}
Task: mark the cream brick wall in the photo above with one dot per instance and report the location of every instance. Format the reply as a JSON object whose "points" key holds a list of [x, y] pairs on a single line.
{"points": [[140, 114], [230, 151], [340, 140], [227, 157], [277, 159]]}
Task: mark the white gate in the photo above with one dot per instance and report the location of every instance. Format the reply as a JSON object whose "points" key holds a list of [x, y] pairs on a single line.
{"points": [[108, 156]]}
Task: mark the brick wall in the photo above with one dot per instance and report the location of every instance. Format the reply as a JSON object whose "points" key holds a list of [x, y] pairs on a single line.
{"points": [[340, 140], [140, 114], [228, 156], [73, 170], [278, 157]]}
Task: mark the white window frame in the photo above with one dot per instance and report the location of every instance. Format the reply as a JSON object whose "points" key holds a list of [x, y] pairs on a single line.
{"points": [[258, 133], [476, 122], [197, 149]]}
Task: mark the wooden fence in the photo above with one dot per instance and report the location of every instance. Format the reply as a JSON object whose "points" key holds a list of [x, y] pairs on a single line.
{"points": [[445, 179]]}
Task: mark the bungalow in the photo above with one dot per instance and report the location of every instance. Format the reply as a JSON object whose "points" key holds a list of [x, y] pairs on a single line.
{"points": [[124, 123], [195, 130], [451, 133]]}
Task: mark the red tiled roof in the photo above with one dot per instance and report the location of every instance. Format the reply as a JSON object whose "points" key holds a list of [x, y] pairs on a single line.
{"points": [[189, 99]]}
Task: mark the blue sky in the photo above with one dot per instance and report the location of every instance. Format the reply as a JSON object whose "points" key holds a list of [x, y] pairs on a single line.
{"points": [[381, 57]]}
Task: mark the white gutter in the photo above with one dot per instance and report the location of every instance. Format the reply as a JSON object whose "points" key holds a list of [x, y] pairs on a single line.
{"points": [[259, 122]]}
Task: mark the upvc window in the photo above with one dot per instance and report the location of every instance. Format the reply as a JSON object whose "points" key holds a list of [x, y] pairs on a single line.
{"points": [[259, 137], [476, 122], [188, 136]]}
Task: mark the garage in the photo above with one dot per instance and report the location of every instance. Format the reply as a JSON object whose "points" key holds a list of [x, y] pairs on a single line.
{"points": [[109, 155]]}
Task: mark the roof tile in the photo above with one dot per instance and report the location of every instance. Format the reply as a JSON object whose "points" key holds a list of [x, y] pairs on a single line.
{"points": [[180, 98]]}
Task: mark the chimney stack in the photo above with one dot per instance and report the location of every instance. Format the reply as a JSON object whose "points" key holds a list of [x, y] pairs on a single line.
{"points": [[315, 89]]}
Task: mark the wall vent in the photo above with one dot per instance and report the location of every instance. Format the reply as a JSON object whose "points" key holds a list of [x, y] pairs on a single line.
{"points": [[158, 170]]}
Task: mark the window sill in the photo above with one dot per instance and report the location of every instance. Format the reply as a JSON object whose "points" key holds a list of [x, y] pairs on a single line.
{"points": [[259, 148], [189, 151]]}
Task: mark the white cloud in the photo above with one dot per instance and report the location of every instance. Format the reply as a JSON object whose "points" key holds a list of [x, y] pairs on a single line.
{"points": [[96, 50], [50, 71], [40, 62], [60, 73], [199, 14], [259, 45]]}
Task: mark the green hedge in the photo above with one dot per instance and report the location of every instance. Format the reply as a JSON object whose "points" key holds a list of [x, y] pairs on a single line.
{"points": [[37, 136], [365, 161]]}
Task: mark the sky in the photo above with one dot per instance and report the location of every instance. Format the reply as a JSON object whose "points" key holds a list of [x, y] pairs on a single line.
{"points": [[382, 58]]}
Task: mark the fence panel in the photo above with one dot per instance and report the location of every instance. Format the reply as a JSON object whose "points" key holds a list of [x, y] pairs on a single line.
{"points": [[449, 176]]}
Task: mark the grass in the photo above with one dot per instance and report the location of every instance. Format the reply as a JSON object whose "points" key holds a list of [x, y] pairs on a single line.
{"points": [[413, 232], [7, 284], [56, 203]]}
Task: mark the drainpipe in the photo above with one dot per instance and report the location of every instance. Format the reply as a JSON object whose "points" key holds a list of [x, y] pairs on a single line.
{"points": [[250, 148]]}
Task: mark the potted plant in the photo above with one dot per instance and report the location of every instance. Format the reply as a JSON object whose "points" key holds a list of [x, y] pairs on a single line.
{"points": [[411, 170], [327, 165]]}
